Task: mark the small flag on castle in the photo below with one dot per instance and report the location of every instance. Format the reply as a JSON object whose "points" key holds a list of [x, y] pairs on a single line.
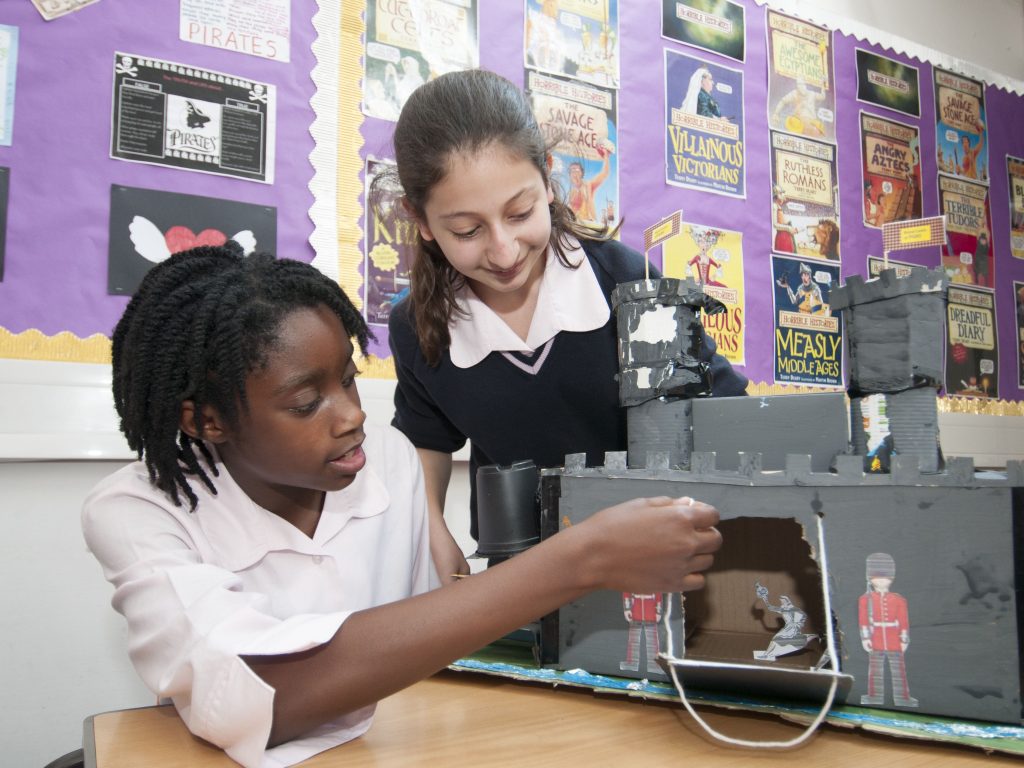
{"points": [[670, 226], [916, 233]]}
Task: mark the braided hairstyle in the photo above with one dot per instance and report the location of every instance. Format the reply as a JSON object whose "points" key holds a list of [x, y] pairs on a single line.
{"points": [[199, 323]]}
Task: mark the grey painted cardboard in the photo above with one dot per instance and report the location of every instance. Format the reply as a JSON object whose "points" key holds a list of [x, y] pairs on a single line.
{"points": [[894, 329], [774, 426], [951, 535]]}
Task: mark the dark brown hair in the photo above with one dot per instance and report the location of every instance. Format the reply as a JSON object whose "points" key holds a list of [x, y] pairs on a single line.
{"points": [[461, 112]]}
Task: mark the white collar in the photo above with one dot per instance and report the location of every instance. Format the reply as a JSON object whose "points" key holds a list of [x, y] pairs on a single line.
{"points": [[569, 300]]}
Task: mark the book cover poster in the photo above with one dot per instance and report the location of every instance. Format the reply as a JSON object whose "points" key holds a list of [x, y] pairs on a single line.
{"points": [[389, 249], [801, 86], [972, 357], [579, 125], [888, 83], [704, 142], [1015, 183], [808, 337], [713, 258], [8, 68], [968, 255], [411, 41], [891, 170], [876, 264], [1018, 295], [805, 197], [5, 189], [718, 26], [573, 38], [961, 144], [147, 226], [192, 119]]}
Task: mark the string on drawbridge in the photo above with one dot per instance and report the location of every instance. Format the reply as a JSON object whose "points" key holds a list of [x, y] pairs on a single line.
{"points": [[831, 650]]}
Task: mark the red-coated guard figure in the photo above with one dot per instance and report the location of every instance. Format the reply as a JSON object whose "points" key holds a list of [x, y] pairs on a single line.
{"points": [[884, 633], [643, 612]]}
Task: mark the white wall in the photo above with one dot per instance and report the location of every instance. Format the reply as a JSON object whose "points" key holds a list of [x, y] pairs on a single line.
{"points": [[64, 647]]}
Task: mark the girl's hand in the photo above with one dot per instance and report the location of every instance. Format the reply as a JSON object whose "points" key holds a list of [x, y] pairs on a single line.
{"points": [[445, 552], [651, 545]]}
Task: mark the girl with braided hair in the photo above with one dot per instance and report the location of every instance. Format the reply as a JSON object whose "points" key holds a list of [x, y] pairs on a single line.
{"points": [[271, 553]]}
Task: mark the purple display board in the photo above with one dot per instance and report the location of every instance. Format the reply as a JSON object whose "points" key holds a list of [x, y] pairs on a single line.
{"points": [[55, 271], [55, 276]]}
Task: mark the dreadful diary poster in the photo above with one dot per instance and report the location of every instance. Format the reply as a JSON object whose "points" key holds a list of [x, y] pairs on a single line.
{"points": [[972, 357]]}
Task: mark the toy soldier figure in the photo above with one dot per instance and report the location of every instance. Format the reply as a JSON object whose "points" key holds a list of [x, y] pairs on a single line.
{"points": [[884, 633], [643, 612]]}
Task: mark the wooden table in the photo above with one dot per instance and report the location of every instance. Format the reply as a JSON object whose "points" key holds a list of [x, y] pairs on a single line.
{"points": [[467, 719]]}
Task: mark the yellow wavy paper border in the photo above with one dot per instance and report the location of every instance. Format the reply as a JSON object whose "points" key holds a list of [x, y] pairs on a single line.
{"points": [[63, 347]]}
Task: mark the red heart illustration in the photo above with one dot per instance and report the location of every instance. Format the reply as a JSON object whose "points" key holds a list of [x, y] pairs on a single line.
{"points": [[181, 238]]}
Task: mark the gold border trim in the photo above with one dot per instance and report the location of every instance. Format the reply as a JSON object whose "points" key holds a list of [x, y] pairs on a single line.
{"points": [[64, 347]]}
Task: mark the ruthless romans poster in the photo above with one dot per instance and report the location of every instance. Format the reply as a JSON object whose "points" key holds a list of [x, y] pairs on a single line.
{"points": [[805, 197], [891, 170], [579, 125], [704, 145], [801, 87]]}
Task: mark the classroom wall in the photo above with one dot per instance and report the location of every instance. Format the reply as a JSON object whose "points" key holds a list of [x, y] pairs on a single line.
{"points": [[64, 647]]}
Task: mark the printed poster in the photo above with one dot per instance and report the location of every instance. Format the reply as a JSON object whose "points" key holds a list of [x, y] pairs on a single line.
{"points": [[579, 124], [1015, 183], [411, 41], [891, 170], [8, 68], [801, 87], [573, 38], [876, 264], [254, 27], [148, 225], [718, 26], [192, 119], [389, 250], [888, 83], [713, 258], [968, 256], [808, 337], [961, 145], [1018, 294], [805, 197], [52, 9], [972, 359], [704, 143]]}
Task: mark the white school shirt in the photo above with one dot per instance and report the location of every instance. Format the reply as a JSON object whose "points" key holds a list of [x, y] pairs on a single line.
{"points": [[201, 589], [568, 300]]}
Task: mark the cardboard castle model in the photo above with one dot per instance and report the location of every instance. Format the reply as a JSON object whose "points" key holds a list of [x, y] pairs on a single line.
{"points": [[922, 568]]}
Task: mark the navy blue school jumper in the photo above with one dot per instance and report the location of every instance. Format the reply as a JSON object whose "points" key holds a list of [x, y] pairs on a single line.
{"points": [[569, 404]]}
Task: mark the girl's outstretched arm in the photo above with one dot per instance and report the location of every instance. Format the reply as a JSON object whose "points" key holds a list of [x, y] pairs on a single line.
{"points": [[643, 546]]}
